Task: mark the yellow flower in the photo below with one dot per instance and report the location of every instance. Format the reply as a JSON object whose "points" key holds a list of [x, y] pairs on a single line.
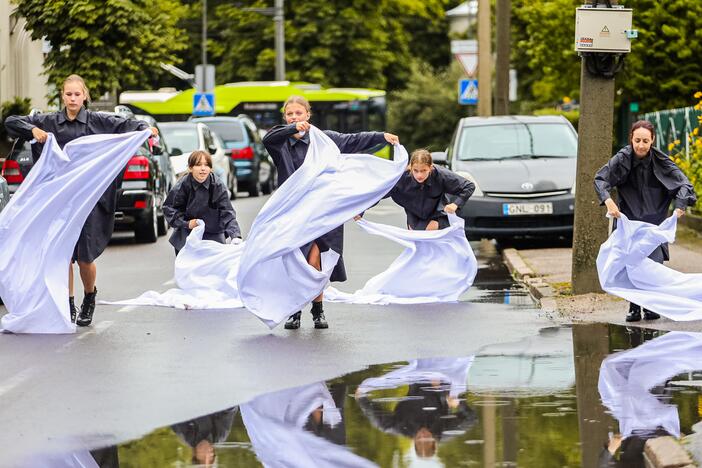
{"points": [[696, 131], [698, 94], [671, 146]]}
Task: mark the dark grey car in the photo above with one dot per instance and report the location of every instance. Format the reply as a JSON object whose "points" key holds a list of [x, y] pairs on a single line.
{"points": [[523, 168]]}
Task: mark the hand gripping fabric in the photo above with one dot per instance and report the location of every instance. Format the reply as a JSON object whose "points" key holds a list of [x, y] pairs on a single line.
{"points": [[40, 226], [626, 271], [329, 189], [436, 266]]}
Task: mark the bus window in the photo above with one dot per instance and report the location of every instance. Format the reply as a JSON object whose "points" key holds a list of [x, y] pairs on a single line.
{"points": [[331, 122], [376, 114], [354, 122]]}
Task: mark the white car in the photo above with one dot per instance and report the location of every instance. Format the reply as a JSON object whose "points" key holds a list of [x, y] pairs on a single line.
{"points": [[183, 138]]}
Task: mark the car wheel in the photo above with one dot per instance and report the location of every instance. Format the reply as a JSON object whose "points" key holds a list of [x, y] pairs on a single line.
{"points": [[162, 227], [146, 229], [233, 186], [255, 188]]}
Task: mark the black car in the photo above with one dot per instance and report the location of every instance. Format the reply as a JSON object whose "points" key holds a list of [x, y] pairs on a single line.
{"points": [[140, 196], [255, 171]]}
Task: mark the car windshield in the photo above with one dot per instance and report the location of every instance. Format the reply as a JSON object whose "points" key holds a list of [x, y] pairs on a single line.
{"points": [[517, 140], [181, 136], [230, 132]]}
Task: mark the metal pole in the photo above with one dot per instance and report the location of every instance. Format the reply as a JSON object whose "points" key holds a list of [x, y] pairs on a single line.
{"points": [[204, 47], [503, 51], [484, 59], [278, 18]]}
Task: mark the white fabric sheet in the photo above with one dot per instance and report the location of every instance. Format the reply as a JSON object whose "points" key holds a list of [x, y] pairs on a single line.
{"points": [[275, 425], [626, 379], [436, 266], [329, 189], [205, 273], [626, 271], [449, 371], [40, 226]]}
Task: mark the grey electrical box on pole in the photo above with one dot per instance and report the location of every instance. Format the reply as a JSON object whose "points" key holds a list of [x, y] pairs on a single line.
{"points": [[602, 40], [205, 83], [279, 20]]}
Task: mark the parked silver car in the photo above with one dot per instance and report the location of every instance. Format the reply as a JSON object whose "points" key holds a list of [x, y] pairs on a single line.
{"points": [[523, 168]]}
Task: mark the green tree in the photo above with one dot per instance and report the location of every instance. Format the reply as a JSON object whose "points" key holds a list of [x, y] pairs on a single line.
{"points": [[112, 44], [19, 106], [662, 70], [425, 114]]}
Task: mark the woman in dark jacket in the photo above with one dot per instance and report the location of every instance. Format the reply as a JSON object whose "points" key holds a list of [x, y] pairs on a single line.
{"points": [[423, 192], [647, 182], [72, 122], [200, 195], [287, 145]]}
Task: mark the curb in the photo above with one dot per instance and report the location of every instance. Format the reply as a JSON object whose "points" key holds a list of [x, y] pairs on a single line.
{"points": [[540, 290], [667, 452]]}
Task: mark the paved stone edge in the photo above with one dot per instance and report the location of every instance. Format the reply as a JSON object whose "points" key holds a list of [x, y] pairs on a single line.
{"points": [[542, 292]]}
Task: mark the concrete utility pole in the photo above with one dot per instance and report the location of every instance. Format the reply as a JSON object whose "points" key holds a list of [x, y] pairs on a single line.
{"points": [[204, 47], [591, 228], [279, 40], [502, 14], [484, 59]]}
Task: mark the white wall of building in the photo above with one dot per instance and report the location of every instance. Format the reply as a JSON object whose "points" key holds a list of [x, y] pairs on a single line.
{"points": [[21, 61]]}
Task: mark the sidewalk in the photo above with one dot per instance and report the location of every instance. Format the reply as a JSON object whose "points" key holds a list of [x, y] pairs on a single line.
{"points": [[547, 274]]}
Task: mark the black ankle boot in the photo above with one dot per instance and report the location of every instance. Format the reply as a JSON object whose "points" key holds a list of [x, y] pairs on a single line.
{"points": [[72, 309], [293, 322], [87, 309], [650, 315], [318, 315], [634, 314]]}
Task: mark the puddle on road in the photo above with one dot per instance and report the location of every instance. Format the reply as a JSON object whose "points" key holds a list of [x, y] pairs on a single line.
{"points": [[531, 403]]}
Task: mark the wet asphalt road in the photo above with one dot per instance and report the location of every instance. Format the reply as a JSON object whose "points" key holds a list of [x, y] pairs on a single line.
{"points": [[140, 368]]}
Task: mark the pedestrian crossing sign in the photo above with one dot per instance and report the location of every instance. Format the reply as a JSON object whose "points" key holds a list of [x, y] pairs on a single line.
{"points": [[203, 104], [468, 92]]}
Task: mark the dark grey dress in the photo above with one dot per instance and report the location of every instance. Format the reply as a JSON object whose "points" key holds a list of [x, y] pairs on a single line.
{"points": [[646, 188], [208, 201], [288, 155], [98, 227], [425, 202]]}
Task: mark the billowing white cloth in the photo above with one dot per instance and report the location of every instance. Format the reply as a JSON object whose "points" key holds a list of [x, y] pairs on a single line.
{"points": [[275, 425], [449, 371], [205, 273], [329, 189], [82, 459], [40, 226], [626, 271], [436, 266], [626, 379]]}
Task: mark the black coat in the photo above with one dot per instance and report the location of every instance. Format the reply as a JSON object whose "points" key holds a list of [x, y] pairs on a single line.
{"points": [[288, 155], [425, 202], [98, 227], [645, 187], [208, 201]]}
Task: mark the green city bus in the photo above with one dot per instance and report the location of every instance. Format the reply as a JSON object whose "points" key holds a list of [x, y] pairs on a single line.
{"points": [[346, 110]]}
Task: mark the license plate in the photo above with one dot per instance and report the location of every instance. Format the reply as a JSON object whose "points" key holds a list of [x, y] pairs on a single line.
{"points": [[516, 209]]}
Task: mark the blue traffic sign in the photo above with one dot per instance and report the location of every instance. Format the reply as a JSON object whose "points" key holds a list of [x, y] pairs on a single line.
{"points": [[468, 92], [203, 104]]}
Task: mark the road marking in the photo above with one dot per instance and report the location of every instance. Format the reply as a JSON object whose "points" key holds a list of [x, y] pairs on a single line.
{"points": [[97, 329], [15, 380]]}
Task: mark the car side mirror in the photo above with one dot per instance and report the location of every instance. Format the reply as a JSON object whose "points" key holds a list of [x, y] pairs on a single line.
{"points": [[439, 157], [176, 152], [212, 149], [156, 149]]}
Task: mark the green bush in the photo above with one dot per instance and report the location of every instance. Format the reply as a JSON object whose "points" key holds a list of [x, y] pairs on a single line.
{"points": [[20, 106]]}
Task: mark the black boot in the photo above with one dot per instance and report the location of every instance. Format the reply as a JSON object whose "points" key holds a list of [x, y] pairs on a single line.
{"points": [[293, 322], [87, 309], [318, 315], [72, 309], [634, 314], [650, 315]]}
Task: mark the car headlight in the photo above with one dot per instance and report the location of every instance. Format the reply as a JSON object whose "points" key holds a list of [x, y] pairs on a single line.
{"points": [[572, 191], [467, 175]]}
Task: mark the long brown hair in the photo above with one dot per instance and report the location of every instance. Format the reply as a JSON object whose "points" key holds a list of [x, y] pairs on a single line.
{"points": [[642, 124]]}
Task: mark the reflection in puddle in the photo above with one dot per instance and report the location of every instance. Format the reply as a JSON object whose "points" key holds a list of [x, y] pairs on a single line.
{"points": [[538, 402]]}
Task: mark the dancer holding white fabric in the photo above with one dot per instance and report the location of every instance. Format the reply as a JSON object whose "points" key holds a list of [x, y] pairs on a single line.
{"points": [[200, 195], [72, 122], [288, 145], [423, 192], [647, 182]]}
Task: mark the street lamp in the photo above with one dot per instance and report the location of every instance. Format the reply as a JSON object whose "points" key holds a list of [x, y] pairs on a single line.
{"points": [[277, 13]]}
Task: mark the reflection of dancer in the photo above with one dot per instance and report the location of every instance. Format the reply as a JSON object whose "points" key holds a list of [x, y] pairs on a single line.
{"points": [[200, 195], [72, 122], [632, 382], [279, 426], [202, 433], [647, 181], [288, 145], [422, 191], [429, 409]]}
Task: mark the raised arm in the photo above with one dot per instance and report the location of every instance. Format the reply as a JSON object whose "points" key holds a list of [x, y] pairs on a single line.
{"points": [[20, 126], [114, 124], [356, 142], [275, 138]]}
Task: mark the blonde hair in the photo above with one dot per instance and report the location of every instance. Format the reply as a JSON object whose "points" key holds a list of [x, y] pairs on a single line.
{"points": [[196, 156], [294, 99], [420, 156], [77, 79]]}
